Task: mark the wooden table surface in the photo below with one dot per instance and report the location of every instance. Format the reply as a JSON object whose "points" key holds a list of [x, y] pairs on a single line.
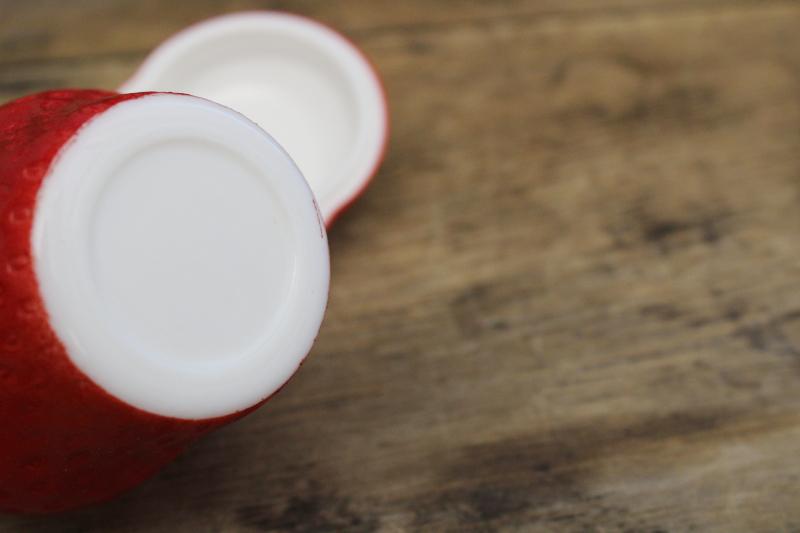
{"points": [[569, 301]]}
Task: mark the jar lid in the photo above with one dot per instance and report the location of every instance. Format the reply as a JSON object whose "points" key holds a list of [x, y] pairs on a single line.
{"points": [[179, 255], [307, 85]]}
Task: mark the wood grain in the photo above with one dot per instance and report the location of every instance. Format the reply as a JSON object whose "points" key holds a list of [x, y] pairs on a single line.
{"points": [[570, 301]]}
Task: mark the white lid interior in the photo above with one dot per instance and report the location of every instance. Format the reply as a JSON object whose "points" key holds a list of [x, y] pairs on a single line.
{"points": [[180, 257], [302, 82]]}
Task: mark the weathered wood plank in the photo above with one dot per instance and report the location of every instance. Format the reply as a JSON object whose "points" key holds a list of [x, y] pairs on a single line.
{"points": [[28, 30], [569, 301]]}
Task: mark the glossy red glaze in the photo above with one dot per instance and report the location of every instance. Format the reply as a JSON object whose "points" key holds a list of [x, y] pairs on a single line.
{"points": [[64, 441]]}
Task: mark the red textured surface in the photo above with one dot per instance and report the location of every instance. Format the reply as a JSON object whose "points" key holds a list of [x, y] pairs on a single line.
{"points": [[64, 442]]}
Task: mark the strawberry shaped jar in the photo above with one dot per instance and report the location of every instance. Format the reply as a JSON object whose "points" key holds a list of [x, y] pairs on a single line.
{"points": [[163, 271]]}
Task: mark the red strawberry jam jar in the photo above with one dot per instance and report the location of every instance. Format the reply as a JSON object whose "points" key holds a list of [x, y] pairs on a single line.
{"points": [[163, 271]]}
